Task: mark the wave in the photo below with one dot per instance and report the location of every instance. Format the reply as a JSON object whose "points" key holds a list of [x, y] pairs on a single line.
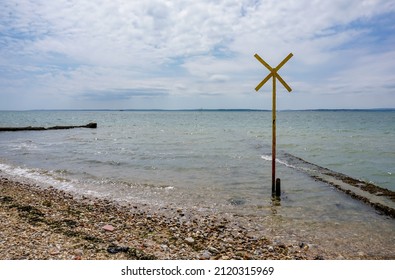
{"points": [[63, 180], [46, 178], [269, 158], [380, 198]]}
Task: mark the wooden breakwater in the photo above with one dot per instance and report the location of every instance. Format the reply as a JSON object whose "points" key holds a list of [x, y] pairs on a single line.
{"points": [[27, 128]]}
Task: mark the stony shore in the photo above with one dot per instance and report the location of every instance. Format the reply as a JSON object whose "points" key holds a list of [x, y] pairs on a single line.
{"points": [[45, 223]]}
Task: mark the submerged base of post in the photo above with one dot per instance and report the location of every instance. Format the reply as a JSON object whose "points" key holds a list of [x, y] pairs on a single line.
{"points": [[273, 188], [278, 187]]}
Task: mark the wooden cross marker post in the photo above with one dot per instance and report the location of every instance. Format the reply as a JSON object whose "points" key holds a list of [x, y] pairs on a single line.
{"points": [[276, 189]]}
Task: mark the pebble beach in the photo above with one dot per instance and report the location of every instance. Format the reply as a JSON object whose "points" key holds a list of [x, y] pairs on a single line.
{"points": [[45, 223]]}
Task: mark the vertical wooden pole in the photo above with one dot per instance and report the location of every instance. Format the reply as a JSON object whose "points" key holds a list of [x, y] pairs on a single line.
{"points": [[274, 138]]}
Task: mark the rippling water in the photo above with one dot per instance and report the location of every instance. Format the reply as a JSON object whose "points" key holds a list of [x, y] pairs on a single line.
{"points": [[214, 161]]}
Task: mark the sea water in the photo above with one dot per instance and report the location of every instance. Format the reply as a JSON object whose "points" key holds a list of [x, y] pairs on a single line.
{"points": [[218, 161]]}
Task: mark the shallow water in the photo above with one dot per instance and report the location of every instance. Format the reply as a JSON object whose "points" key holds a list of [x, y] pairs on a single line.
{"points": [[219, 162]]}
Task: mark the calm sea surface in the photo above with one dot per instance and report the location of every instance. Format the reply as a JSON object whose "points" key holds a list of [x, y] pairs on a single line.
{"points": [[216, 161]]}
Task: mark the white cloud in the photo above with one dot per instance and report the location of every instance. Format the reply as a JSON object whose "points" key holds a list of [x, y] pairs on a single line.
{"points": [[190, 48]]}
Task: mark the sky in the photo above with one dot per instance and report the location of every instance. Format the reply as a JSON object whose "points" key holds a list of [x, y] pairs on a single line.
{"points": [[180, 54]]}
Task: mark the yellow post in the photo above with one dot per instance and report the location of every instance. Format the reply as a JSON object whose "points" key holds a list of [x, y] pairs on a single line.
{"points": [[274, 137], [273, 74]]}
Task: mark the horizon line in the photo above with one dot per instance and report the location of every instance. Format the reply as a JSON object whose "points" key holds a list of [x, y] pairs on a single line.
{"points": [[203, 109]]}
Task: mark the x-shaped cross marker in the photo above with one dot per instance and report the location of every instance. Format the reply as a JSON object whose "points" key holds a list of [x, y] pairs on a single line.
{"points": [[273, 72]]}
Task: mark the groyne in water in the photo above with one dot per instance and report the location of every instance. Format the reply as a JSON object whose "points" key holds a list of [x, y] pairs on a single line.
{"points": [[379, 198], [28, 128]]}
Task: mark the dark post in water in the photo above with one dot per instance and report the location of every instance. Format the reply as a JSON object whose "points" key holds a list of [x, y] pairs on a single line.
{"points": [[273, 74], [278, 187]]}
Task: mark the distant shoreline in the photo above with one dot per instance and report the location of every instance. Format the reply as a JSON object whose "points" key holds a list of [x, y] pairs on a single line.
{"points": [[203, 110]]}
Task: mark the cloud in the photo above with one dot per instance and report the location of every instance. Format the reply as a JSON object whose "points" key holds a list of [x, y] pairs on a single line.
{"points": [[122, 94], [71, 50], [219, 78]]}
